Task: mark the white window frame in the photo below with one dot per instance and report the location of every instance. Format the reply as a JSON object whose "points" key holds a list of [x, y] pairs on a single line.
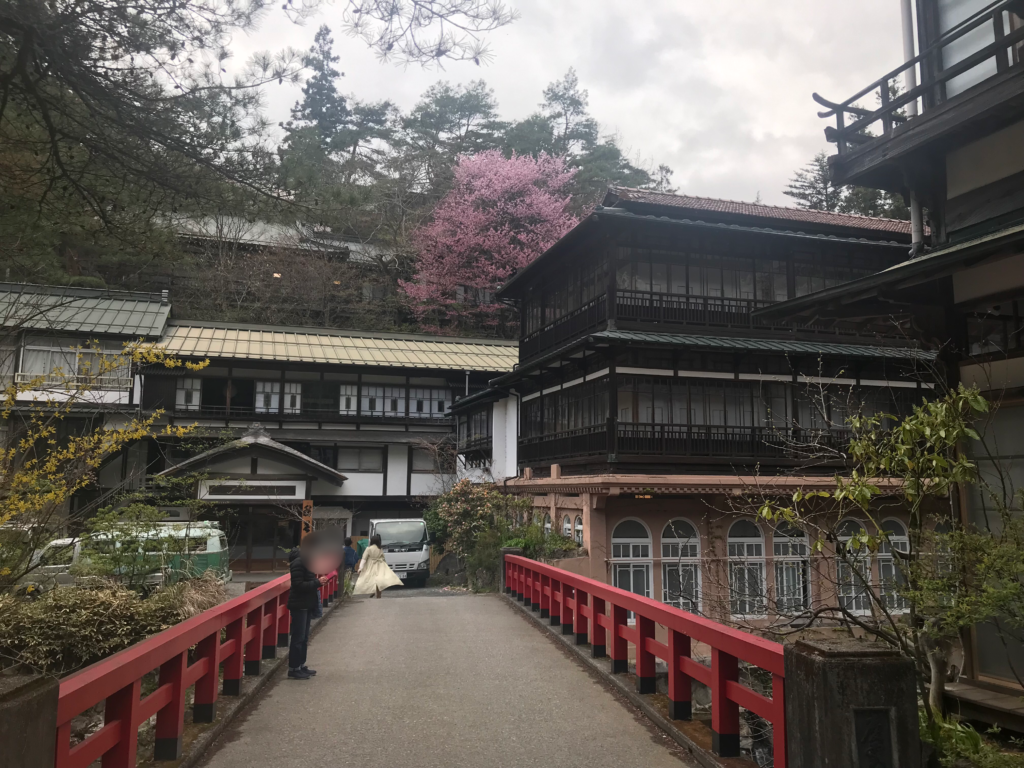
{"points": [[678, 553], [578, 530], [888, 571], [792, 565], [547, 524], [567, 526], [632, 555], [292, 400], [348, 399], [853, 595], [188, 394], [268, 396], [429, 402], [746, 556]]}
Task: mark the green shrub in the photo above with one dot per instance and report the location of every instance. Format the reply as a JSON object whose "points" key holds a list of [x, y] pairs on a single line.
{"points": [[959, 745], [70, 627]]}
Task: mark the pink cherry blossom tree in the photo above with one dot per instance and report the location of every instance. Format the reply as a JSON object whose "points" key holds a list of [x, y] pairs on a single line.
{"points": [[501, 214]]}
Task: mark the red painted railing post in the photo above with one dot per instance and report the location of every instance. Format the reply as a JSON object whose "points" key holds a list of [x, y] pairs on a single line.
{"points": [[545, 597], [253, 648], [680, 688], [233, 663], [556, 602], [122, 707], [725, 714], [528, 584], [538, 592], [780, 753], [598, 634], [170, 721], [646, 681], [283, 619], [579, 619], [565, 594], [269, 623], [619, 648], [204, 704]]}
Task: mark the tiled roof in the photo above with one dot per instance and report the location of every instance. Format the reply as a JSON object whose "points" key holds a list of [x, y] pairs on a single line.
{"points": [[324, 345], [690, 203], [82, 310]]}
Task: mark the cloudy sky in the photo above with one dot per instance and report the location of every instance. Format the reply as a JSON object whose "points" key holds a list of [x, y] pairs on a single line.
{"points": [[721, 92]]}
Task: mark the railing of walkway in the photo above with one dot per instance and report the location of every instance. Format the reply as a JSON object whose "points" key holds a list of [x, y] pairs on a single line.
{"points": [[191, 653], [598, 614]]}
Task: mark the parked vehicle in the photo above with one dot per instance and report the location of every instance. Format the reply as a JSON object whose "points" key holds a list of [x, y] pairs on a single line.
{"points": [[406, 546], [167, 552]]}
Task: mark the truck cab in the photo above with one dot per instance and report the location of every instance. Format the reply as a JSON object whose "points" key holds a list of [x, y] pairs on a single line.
{"points": [[406, 546]]}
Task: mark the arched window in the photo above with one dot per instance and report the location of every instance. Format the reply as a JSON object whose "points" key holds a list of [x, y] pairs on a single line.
{"points": [[631, 557], [680, 566], [547, 524], [578, 530], [890, 569], [792, 569], [746, 569], [853, 569], [567, 526]]}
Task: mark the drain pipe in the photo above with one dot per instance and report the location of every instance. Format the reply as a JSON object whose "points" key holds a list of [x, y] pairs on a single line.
{"points": [[910, 83]]}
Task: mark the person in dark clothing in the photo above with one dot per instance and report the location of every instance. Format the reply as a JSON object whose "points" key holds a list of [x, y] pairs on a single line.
{"points": [[302, 602], [351, 558]]}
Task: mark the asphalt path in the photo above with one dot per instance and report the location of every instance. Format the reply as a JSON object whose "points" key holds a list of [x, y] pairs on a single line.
{"points": [[460, 682]]}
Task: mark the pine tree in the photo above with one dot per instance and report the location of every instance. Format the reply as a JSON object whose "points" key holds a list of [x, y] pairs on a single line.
{"points": [[812, 187]]}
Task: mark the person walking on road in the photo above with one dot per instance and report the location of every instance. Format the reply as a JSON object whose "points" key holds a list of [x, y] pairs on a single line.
{"points": [[302, 603], [374, 572]]}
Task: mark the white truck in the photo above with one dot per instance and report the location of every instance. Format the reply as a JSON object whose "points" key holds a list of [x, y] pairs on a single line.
{"points": [[406, 546]]}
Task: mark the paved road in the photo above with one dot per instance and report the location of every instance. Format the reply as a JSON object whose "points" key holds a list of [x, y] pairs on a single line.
{"points": [[436, 680]]}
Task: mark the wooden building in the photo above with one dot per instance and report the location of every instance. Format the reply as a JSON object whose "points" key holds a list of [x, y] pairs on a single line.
{"points": [[952, 144], [649, 395]]}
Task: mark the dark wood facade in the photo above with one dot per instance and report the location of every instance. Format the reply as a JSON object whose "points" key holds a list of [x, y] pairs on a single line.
{"points": [[640, 353]]}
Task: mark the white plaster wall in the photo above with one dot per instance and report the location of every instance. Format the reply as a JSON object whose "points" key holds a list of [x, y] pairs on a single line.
{"points": [[995, 376], [426, 484], [364, 483], [987, 279]]}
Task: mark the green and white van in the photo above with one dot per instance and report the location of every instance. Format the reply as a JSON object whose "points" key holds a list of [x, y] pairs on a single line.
{"points": [[172, 551]]}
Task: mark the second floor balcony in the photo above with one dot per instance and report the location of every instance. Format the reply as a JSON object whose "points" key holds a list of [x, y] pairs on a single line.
{"points": [[966, 81]]}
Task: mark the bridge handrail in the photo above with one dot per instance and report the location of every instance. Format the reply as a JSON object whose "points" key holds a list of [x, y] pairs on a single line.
{"points": [[570, 600], [256, 623]]}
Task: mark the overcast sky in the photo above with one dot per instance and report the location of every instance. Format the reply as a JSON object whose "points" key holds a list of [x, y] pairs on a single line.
{"points": [[720, 92]]}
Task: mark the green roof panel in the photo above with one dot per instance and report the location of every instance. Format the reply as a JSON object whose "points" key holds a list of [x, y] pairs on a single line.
{"points": [[82, 310], [764, 345]]}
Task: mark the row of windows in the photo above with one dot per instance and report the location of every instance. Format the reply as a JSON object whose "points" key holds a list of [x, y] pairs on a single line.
{"points": [[193, 394], [576, 287], [748, 591], [475, 426], [353, 459], [695, 402]]}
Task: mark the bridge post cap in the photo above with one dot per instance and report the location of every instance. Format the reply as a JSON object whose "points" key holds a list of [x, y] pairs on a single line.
{"points": [[844, 648]]}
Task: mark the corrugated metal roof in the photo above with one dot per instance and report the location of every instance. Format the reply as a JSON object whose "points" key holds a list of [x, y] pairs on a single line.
{"points": [[324, 345], [766, 345], [82, 310], [689, 202]]}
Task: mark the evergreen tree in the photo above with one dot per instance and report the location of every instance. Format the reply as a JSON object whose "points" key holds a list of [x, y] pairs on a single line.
{"points": [[812, 187]]}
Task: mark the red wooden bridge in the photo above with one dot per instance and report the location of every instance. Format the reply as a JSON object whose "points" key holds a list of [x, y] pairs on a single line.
{"points": [[439, 681]]}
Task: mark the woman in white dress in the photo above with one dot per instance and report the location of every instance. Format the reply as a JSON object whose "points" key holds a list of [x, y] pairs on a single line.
{"points": [[374, 572]]}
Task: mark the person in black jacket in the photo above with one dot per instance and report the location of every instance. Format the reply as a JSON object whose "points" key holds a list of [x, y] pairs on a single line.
{"points": [[302, 601]]}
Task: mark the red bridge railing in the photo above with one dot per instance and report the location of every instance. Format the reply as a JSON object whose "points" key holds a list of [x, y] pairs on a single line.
{"points": [[597, 613], [191, 653]]}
